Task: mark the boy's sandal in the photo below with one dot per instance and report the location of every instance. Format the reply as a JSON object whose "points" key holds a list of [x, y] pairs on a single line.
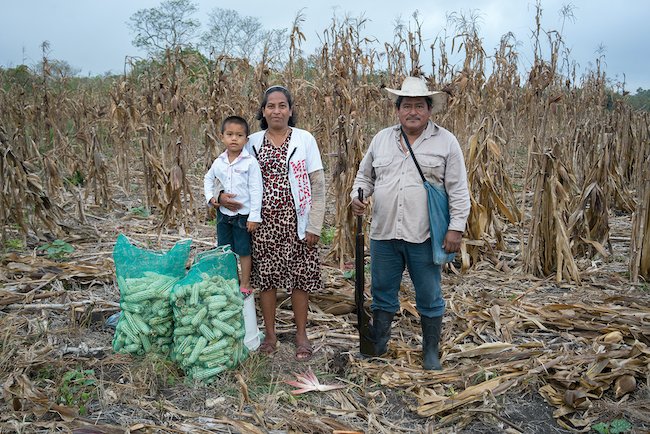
{"points": [[304, 352], [268, 347]]}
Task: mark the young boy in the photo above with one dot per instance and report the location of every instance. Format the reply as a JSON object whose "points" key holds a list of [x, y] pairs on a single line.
{"points": [[236, 172]]}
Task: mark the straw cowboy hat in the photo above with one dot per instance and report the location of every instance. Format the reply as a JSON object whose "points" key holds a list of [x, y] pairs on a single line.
{"points": [[416, 87]]}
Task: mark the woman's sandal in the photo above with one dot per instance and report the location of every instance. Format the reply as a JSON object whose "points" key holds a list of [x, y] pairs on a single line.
{"points": [[268, 347], [304, 352]]}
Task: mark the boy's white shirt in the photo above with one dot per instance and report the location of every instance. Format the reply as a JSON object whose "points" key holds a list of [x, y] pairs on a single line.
{"points": [[242, 177], [303, 158]]}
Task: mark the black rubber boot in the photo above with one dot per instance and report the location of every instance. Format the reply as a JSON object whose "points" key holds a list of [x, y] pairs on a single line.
{"points": [[431, 328], [381, 325]]}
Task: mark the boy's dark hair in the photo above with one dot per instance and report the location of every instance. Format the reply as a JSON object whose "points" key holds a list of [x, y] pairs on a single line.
{"points": [[234, 120]]}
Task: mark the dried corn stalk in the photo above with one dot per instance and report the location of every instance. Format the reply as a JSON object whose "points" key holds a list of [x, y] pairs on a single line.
{"points": [[124, 116], [492, 194], [54, 180], [589, 222], [640, 246], [548, 249], [345, 100], [98, 173], [177, 192], [22, 198]]}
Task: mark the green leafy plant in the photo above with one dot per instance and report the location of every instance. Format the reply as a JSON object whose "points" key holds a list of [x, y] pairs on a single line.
{"points": [[57, 249], [482, 376], [617, 426], [351, 273], [77, 389], [77, 179], [140, 211], [166, 371], [45, 373], [327, 235], [14, 244]]}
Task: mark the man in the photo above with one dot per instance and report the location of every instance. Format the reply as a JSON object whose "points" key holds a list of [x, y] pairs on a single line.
{"points": [[400, 233]]}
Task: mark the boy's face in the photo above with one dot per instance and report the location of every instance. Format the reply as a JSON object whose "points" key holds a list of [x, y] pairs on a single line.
{"points": [[234, 137]]}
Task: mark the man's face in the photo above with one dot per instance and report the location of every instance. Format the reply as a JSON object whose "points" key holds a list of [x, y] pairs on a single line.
{"points": [[414, 113]]}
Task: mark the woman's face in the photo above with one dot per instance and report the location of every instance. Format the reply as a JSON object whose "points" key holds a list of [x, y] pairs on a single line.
{"points": [[277, 111]]}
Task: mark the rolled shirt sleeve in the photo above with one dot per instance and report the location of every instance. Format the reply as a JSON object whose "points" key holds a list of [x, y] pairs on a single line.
{"points": [[317, 211], [456, 187]]}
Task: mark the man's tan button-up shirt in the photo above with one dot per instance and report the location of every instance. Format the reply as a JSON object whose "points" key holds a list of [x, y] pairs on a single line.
{"points": [[388, 174]]}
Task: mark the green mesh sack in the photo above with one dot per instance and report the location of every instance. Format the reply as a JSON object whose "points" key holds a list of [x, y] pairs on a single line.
{"points": [[145, 279], [132, 261], [208, 321]]}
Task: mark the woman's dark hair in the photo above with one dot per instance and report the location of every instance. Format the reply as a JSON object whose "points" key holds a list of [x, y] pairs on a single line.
{"points": [[399, 100], [260, 113]]}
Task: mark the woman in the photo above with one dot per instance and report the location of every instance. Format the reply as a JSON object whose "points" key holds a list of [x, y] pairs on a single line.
{"points": [[285, 252]]}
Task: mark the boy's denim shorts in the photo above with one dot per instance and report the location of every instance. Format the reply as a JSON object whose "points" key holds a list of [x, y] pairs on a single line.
{"points": [[232, 230]]}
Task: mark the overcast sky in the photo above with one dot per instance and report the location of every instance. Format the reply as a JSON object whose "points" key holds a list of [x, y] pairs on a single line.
{"points": [[92, 35]]}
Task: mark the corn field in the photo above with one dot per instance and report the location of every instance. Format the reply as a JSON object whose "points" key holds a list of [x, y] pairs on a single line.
{"points": [[571, 147]]}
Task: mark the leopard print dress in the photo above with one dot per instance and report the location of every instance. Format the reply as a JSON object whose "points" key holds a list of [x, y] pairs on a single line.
{"points": [[280, 258]]}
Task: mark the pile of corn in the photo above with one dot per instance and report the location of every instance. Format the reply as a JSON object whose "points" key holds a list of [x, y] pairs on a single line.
{"points": [[208, 326], [146, 323]]}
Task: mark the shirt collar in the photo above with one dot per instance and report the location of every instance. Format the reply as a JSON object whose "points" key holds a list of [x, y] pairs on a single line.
{"points": [[431, 129], [244, 154]]}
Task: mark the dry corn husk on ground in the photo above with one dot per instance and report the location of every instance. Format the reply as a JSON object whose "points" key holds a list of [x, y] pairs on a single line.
{"points": [[504, 336]]}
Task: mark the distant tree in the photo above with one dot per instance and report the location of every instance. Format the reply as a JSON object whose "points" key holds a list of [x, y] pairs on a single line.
{"points": [[58, 68], [641, 100], [21, 76], [274, 48], [232, 34], [168, 26]]}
